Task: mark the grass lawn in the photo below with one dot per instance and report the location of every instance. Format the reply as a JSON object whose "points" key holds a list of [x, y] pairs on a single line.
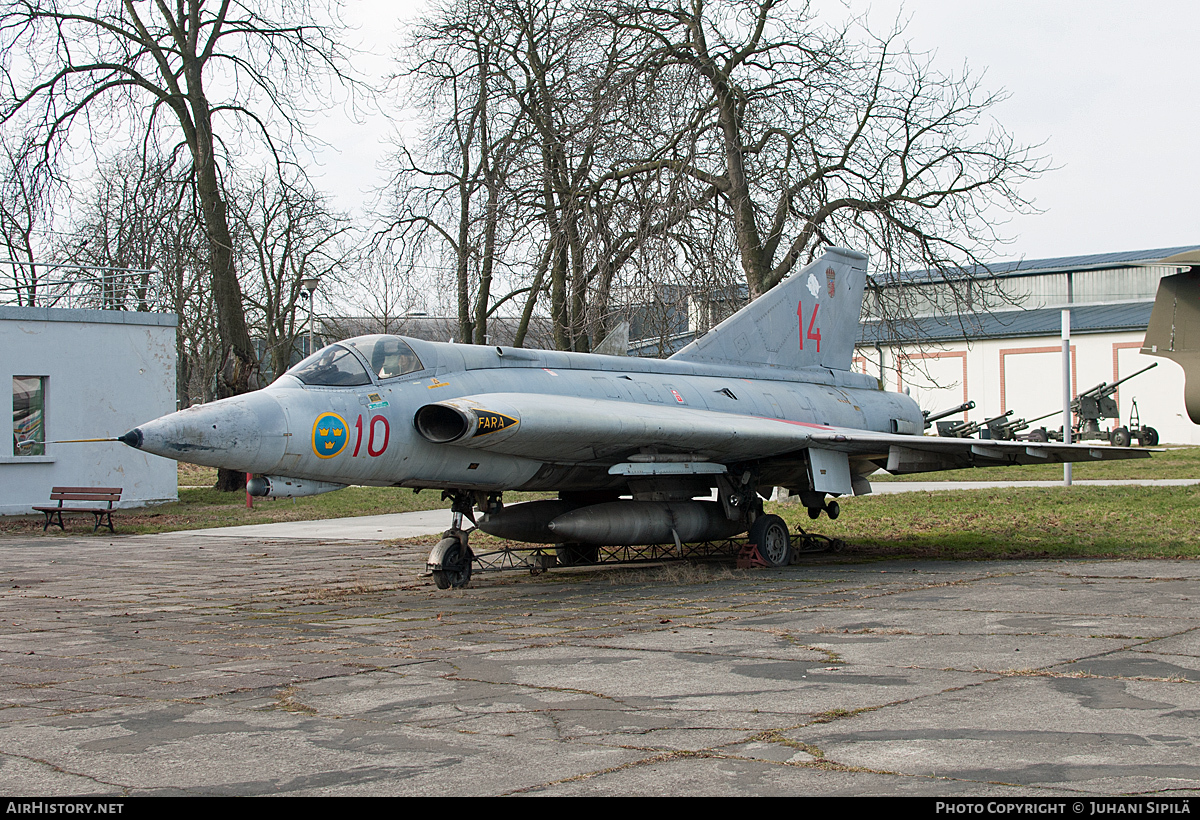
{"points": [[1013, 522], [1178, 462], [1016, 522], [203, 508]]}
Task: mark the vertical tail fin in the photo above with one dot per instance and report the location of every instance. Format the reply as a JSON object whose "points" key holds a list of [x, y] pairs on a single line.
{"points": [[1174, 332], [809, 319]]}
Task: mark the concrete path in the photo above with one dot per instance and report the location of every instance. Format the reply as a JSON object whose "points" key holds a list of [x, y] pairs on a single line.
{"points": [[360, 528], [415, 524], [202, 664]]}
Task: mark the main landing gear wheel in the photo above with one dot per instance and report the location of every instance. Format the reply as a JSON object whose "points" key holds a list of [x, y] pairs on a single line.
{"points": [[770, 533], [456, 564], [574, 555]]}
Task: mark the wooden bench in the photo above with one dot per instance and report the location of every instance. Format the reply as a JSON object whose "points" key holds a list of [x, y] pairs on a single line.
{"points": [[73, 494]]}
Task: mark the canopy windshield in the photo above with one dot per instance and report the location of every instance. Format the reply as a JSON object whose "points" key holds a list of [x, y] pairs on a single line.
{"points": [[389, 356], [333, 366]]}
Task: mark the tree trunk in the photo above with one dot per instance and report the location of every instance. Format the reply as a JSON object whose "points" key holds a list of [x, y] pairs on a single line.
{"points": [[239, 371]]}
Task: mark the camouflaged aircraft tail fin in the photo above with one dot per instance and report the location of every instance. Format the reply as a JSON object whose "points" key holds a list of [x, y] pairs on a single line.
{"points": [[810, 319]]}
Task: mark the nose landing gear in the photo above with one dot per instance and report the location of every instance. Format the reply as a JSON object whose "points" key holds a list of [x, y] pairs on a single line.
{"points": [[450, 561]]}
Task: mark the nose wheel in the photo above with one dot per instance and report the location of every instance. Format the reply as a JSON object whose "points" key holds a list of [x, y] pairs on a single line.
{"points": [[452, 559]]}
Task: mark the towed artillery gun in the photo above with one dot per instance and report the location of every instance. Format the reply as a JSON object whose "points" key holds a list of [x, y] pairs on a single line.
{"points": [[1010, 430], [1098, 403], [966, 429]]}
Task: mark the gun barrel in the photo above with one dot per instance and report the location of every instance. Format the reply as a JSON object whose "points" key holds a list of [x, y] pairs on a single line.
{"points": [[962, 408], [998, 418], [1108, 388], [1046, 416], [1131, 375]]}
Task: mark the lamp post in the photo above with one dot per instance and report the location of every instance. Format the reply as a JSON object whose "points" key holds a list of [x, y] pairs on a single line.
{"points": [[1066, 370], [310, 285]]}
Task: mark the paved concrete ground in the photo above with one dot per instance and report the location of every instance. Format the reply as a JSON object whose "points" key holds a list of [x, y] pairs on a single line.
{"points": [[197, 664], [361, 528]]}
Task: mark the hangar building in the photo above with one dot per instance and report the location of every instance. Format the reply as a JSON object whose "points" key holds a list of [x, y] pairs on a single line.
{"points": [[996, 339]]}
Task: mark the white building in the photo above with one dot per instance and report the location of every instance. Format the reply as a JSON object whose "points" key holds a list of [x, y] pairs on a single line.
{"points": [[1010, 358], [84, 374]]}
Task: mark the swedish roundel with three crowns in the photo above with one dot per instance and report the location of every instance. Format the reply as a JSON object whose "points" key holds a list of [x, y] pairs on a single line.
{"points": [[329, 435]]}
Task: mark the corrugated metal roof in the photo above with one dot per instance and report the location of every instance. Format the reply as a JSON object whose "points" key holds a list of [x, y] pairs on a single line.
{"points": [[1027, 267], [1010, 323]]}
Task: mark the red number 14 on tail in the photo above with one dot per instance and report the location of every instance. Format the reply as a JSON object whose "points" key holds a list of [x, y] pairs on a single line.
{"points": [[814, 332]]}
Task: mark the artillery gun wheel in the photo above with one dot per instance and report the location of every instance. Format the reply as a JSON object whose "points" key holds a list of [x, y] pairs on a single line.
{"points": [[575, 555], [1038, 435], [1119, 437], [456, 565], [1149, 437], [770, 533]]}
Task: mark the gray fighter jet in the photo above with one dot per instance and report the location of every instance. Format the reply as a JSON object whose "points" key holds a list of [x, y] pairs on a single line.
{"points": [[1174, 330], [767, 398]]}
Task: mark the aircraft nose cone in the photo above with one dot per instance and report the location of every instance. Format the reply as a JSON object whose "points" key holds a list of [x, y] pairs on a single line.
{"points": [[245, 433]]}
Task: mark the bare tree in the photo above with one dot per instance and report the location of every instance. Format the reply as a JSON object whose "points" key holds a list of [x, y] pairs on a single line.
{"points": [[23, 209], [453, 199], [808, 137], [537, 107], [140, 213], [382, 290], [685, 143], [285, 232], [192, 75]]}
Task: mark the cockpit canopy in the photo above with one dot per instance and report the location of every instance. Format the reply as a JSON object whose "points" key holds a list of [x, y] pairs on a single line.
{"points": [[337, 366]]}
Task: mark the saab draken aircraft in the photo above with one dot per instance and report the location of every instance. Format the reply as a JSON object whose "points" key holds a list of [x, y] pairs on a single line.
{"points": [[766, 398]]}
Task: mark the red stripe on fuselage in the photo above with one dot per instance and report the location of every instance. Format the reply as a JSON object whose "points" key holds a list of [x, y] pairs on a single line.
{"points": [[798, 423]]}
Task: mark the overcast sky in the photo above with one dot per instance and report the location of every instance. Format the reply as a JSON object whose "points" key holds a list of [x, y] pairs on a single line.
{"points": [[1109, 88]]}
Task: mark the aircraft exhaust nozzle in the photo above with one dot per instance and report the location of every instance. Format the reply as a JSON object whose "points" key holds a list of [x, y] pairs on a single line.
{"points": [[274, 486], [636, 523]]}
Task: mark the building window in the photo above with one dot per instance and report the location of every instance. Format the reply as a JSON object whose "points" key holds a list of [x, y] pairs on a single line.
{"points": [[29, 415]]}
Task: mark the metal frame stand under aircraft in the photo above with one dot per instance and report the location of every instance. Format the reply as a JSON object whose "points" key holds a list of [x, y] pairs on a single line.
{"points": [[537, 560]]}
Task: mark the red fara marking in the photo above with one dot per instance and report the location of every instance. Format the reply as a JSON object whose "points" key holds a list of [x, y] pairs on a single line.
{"points": [[678, 397], [386, 433]]}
